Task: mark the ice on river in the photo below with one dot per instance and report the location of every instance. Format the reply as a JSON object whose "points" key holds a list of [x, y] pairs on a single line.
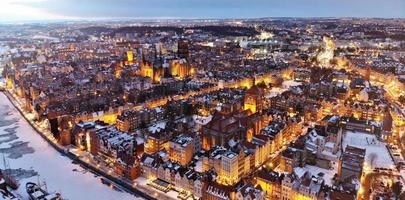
{"points": [[25, 149]]}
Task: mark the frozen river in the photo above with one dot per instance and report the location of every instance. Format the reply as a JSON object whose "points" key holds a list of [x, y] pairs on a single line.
{"points": [[24, 148]]}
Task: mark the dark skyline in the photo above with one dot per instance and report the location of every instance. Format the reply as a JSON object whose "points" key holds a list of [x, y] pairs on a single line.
{"points": [[14, 10]]}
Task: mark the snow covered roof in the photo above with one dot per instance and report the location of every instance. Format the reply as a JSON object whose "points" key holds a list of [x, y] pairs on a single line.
{"points": [[157, 127], [300, 172]]}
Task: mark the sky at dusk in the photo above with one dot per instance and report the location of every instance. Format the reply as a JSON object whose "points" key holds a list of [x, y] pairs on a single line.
{"points": [[16, 10]]}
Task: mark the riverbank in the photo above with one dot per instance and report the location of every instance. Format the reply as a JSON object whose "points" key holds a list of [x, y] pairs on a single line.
{"points": [[65, 153]]}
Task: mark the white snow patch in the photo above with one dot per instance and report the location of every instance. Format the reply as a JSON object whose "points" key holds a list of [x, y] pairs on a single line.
{"points": [[157, 127], [290, 83], [275, 91], [372, 146], [328, 173], [202, 119], [198, 166]]}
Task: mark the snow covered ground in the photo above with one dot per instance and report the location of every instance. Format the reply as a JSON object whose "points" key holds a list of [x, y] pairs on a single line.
{"points": [[274, 91], [373, 147], [290, 83], [60, 174], [327, 173]]}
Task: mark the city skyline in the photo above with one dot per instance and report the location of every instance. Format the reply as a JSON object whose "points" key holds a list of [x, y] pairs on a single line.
{"points": [[39, 10], [103, 107]]}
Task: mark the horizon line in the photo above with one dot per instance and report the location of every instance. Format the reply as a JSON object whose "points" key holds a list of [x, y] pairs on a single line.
{"points": [[156, 19]]}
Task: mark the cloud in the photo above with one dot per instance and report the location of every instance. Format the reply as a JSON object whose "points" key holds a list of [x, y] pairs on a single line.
{"points": [[12, 10]]}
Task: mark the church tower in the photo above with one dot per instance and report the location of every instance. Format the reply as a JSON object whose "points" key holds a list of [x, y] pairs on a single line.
{"points": [[253, 99], [183, 49], [130, 56]]}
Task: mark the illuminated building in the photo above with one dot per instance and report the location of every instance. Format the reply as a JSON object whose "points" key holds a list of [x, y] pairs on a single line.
{"points": [[253, 99], [181, 68], [399, 119], [260, 146], [80, 136], [289, 160], [301, 74], [130, 56], [183, 179], [213, 160], [282, 132], [234, 166], [216, 191], [270, 182], [249, 191], [229, 165], [109, 118], [118, 70], [9, 82], [155, 168], [153, 70], [156, 142], [177, 68], [108, 141], [183, 48], [65, 124], [147, 69], [130, 120], [181, 149], [363, 125], [351, 163], [224, 127], [129, 167], [122, 124], [327, 54], [116, 147], [149, 166], [301, 185]]}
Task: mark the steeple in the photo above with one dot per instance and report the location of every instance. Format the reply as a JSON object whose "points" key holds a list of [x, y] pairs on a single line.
{"points": [[155, 53], [157, 62], [142, 56]]}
